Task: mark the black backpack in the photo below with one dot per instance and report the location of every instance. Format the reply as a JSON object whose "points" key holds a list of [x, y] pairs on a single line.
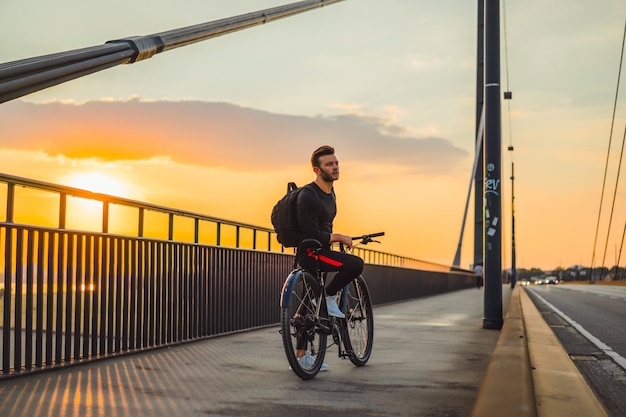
{"points": [[285, 217]]}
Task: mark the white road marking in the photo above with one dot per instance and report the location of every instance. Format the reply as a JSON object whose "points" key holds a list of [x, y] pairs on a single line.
{"points": [[601, 345]]}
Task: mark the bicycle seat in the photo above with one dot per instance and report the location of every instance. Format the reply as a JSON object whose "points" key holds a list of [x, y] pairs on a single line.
{"points": [[311, 243]]}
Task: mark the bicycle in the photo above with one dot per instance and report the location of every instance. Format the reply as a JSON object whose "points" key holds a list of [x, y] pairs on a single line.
{"points": [[306, 325]]}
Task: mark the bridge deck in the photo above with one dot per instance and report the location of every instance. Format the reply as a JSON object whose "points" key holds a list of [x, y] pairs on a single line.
{"points": [[430, 357]]}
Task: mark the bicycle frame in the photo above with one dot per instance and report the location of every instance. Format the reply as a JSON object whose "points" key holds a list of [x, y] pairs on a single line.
{"points": [[285, 293]]}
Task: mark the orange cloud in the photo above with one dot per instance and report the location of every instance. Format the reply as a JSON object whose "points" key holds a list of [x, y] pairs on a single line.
{"points": [[216, 135]]}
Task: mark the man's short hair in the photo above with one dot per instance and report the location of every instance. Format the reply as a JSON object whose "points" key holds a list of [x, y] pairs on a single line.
{"points": [[321, 151]]}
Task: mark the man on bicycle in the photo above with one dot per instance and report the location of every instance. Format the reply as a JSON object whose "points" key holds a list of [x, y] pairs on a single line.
{"points": [[316, 211]]}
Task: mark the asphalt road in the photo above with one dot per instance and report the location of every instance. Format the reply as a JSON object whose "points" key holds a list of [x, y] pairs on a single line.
{"points": [[589, 322]]}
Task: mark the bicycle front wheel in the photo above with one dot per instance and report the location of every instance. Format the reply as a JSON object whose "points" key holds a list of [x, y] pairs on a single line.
{"points": [[358, 333], [304, 342]]}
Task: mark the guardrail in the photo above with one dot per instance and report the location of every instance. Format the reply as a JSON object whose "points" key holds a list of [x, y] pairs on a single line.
{"points": [[203, 228], [73, 296]]}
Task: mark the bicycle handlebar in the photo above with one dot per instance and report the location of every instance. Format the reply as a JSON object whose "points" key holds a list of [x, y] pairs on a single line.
{"points": [[365, 239]]}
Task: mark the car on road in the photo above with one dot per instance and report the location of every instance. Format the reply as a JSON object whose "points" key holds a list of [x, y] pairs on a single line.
{"points": [[551, 279]]}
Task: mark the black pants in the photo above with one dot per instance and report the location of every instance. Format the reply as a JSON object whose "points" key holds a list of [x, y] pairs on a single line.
{"points": [[347, 266], [479, 281]]}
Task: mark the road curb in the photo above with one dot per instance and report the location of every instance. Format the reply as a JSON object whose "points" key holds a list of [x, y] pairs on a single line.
{"points": [[560, 389], [530, 374]]}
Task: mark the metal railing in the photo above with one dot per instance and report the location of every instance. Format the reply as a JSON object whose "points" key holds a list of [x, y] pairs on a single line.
{"points": [[215, 230], [72, 296], [375, 257]]}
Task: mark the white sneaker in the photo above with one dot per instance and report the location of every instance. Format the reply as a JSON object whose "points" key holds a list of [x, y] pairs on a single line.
{"points": [[333, 308], [307, 362]]}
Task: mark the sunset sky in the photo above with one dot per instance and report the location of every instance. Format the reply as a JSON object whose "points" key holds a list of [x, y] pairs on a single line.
{"points": [[220, 127]]}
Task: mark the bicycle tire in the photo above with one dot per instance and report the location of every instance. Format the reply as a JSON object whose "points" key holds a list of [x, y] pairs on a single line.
{"points": [[358, 330], [298, 323]]}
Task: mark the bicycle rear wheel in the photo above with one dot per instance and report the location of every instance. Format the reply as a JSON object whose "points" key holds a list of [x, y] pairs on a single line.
{"points": [[299, 327], [358, 333]]}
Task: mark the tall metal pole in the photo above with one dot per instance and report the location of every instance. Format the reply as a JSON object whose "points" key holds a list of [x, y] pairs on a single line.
{"points": [[493, 184], [478, 176]]}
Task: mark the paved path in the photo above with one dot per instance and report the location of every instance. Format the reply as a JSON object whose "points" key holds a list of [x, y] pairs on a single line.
{"points": [[430, 356]]}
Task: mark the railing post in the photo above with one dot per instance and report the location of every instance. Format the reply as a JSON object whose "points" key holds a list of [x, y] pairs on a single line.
{"points": [[6, 325], [10, 201], [62, 210], [105, 217], [140, 221]]}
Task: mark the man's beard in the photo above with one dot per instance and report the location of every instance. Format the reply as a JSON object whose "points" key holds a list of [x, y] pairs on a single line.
{"points": [[328, 177]]}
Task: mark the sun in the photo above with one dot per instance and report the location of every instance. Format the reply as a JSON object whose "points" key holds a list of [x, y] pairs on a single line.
{"points": [[87, 214], [99, 183]]}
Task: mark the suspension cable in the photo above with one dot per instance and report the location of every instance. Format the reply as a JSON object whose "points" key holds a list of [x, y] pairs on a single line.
{"points": [[606, 166], [621, 246], [608, 232]]}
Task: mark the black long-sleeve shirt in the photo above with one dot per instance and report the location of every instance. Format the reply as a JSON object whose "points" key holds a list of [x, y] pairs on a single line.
{"points": [[316, 212]]}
